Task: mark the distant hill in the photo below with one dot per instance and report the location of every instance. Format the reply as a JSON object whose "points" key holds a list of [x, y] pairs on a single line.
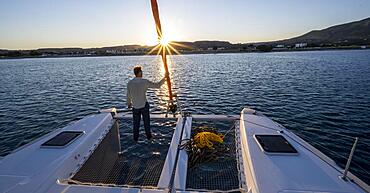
{"points": [[353, 35], [357, 32], [205, 44]]}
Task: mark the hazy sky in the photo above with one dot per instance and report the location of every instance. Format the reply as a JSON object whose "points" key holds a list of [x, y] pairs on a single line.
{"points": [[26, 24]]}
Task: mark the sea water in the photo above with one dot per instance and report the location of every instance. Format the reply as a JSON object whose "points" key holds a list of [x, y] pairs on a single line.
{"points": [[322, 96]]}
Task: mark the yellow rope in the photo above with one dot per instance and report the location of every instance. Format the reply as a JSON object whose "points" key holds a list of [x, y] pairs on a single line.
{"points": [[205, 139]]}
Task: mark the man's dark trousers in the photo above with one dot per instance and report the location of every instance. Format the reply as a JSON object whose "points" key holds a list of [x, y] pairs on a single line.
{"points": [[136, 118]]}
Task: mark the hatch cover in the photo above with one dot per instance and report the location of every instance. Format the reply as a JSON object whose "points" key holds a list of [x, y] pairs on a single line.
{"points": [[275, 144], [62, 139]]}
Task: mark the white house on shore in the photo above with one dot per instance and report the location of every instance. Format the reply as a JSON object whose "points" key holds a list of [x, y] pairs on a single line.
{"points": [[300, 45]]}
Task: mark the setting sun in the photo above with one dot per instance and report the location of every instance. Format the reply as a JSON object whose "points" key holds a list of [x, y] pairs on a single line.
{"points": [[164, 41], [171, 35]]}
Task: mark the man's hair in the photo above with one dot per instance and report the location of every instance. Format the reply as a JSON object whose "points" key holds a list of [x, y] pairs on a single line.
{"points": [[137, 70]]}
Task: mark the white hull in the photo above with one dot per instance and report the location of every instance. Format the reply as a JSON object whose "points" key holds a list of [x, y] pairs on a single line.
{"points": [[33, 168], [309, 170]]}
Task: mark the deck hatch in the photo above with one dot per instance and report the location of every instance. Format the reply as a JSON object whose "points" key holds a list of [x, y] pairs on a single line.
{"points": [[62, 139], [275, 144]]}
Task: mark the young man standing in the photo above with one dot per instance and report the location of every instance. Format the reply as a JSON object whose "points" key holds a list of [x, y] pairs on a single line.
{"points": [[136, 98]]}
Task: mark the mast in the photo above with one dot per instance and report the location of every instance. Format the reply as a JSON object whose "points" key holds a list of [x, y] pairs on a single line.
{"points": [[163, 49]]}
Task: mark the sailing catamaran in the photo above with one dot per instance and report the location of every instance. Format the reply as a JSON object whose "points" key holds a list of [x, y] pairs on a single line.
{"points": [[85, 156]]}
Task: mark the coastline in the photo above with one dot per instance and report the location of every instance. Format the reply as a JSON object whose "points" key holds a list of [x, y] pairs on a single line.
{"points": [[196, 52]]}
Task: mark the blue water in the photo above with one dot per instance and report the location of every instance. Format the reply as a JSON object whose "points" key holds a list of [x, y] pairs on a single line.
{"points": [[323, 96]]}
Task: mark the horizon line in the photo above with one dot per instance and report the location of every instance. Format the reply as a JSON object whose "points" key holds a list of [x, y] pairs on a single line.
{"points": [[192, 41], [144, 45]]}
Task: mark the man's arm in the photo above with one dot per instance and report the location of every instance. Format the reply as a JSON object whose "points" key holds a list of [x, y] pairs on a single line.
{"points": [[156, 84], [128, 99]]}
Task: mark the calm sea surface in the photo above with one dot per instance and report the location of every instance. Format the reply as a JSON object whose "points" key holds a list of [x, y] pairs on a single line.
{"points": [[324, 97]]}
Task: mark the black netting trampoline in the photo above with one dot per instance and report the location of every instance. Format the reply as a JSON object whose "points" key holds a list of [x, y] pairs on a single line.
{"points": [[219, 175], [139, 164]]}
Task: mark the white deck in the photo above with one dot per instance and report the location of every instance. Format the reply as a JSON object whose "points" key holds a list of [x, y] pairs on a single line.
{"points": [[305, 172], [35, 169]]}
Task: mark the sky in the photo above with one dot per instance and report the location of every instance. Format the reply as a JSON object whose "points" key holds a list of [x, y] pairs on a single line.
{"points": [[30, 24]]}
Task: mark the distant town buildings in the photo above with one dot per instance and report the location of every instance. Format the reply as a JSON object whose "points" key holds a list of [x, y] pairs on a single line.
{"points": [[187, 48], [301, 45]]}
